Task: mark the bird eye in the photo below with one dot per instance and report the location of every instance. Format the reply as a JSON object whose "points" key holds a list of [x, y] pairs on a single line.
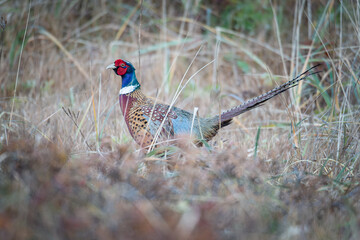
{"points": [[122, 65]]}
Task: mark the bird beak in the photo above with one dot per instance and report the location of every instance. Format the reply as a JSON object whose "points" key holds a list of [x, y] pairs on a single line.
{"points": [[111, 66]]}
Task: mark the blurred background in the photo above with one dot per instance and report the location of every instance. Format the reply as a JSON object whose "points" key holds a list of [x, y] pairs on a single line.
{"points": [[70, 169]]}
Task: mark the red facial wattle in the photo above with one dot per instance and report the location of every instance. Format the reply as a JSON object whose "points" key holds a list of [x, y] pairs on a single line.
{"points": [[121, 70], [122, 67]]}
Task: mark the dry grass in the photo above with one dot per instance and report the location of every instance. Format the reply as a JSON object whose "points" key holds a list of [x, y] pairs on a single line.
{"points": [[69, 169]]}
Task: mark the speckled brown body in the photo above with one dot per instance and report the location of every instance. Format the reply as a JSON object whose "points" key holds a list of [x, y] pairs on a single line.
{"points": [[143, 118]]}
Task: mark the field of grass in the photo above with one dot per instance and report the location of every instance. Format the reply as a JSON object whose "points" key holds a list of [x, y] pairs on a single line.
{"points": [[287, 170]]}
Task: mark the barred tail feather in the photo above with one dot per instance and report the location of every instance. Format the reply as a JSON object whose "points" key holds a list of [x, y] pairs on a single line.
{"points": [[256, 102]]}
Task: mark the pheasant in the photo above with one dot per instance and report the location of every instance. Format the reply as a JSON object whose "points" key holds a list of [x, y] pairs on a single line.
{"points": [[150, 122]]}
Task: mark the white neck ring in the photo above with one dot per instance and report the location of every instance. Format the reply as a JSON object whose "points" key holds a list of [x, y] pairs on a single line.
{"points": [[128, 89]]}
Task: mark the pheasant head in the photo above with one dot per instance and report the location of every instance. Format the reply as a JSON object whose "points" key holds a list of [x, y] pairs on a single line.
{"points": [[126, 70]]}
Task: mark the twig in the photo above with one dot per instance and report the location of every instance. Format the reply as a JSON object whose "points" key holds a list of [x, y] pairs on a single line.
{"points": [[74, 119], [18, 70]]}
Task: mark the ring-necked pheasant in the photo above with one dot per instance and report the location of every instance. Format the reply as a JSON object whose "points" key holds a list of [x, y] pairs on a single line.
{"points": [[148, 121]]}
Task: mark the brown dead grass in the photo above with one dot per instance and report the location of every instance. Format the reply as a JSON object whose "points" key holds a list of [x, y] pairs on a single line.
{"points": [[89, 180]]}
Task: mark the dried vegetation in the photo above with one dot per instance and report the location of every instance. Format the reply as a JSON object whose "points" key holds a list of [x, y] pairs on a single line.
{"points": [[287, 170]]}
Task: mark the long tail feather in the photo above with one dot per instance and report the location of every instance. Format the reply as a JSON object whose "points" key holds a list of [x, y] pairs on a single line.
{"points": [[256, 102]]}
